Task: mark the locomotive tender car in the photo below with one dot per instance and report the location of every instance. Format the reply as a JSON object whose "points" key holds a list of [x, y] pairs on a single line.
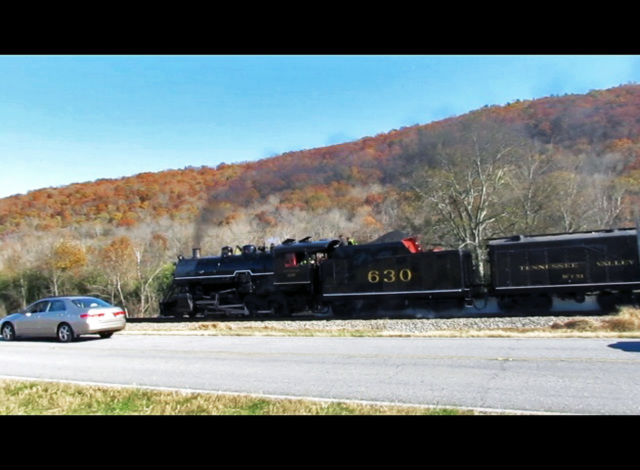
{"points": [[526, 274], [396, 276], [526, 271]]}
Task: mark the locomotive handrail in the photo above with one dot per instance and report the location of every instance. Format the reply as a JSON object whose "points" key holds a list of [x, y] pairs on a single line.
{"points": [[308, 246]]}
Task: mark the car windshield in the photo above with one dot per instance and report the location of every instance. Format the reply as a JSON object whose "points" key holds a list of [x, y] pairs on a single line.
{"points": [[90, 302]]}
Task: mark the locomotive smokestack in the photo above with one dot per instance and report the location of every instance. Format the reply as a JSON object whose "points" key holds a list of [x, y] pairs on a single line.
{"points": [[196, 252]]}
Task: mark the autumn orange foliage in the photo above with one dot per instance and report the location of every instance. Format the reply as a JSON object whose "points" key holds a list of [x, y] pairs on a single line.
{"points": [[316, 179]]}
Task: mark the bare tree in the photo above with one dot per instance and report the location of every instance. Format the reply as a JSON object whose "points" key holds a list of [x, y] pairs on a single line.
{"points": [[150, 261], [585, 195], [608, 196], [465, 186], [530, 195]]}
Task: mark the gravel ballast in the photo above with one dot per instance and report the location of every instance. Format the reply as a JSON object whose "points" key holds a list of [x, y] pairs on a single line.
{"points": [[410, 326]]}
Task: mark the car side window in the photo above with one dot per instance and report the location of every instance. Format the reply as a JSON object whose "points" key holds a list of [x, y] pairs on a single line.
{"points": [[57, 306], [39, 307]]}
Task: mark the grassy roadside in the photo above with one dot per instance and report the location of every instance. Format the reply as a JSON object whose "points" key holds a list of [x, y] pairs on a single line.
{"points": [[627, 320], [49, 398]]}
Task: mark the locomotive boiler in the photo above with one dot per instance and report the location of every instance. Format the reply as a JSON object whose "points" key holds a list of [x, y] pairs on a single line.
{"points": [[278, 281], [219, 284]]}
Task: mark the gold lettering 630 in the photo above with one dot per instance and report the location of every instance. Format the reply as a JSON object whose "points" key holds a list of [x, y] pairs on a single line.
{"points": [[389, 275]]}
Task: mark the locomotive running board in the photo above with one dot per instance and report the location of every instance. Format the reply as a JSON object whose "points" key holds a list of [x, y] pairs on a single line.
{"points": [[354, 294]]}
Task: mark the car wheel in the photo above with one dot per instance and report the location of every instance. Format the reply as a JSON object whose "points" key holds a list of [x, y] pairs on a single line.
{"points": [[65, 333], [8, 332], [106, 334]]}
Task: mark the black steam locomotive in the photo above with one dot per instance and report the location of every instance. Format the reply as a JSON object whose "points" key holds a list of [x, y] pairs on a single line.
{"points": [[526, 274]]}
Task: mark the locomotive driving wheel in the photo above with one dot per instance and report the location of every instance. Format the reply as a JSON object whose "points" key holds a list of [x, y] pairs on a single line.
{"points": [[278, 305], [340, 309], [252, 305]]}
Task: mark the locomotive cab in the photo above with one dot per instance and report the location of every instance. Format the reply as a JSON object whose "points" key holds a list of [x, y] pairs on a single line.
{"points": [[298, 262], [297, 270]]}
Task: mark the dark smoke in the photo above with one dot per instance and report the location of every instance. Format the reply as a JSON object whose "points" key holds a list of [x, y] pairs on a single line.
{"points": [[212, 214]]}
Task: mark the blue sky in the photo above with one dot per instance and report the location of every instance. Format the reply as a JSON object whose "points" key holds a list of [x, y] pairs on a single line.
{"points": [[77, 118]]}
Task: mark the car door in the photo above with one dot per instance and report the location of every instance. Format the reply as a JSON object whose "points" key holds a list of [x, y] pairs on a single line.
{"points": [[29, 323], [50, 318]]}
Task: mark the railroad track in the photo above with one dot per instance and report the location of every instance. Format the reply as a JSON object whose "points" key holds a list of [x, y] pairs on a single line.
{"points": [[224, 318], [426, 316]]}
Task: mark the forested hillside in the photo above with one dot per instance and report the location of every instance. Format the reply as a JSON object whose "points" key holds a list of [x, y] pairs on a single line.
{"points": [[556, 164]]}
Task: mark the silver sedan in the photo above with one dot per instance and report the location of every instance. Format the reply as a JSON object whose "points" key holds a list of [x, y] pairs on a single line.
{"points": [[64, 318]]}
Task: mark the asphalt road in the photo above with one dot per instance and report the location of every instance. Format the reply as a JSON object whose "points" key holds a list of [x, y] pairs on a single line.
{"points": [[575, 376]]}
